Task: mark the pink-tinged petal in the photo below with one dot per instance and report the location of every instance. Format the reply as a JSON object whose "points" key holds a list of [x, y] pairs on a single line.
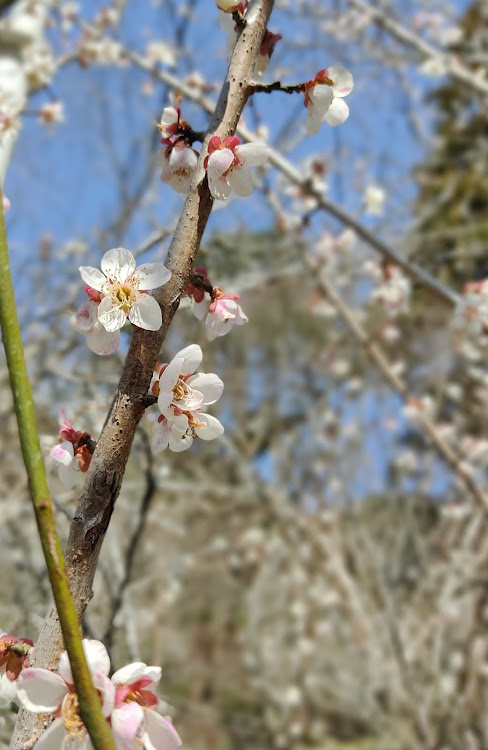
{"points": [[112, 318], [342, 80], [161, 437], [146, 313], [93, 277], [168, 380], [106, 689], [219, 189], [103, 342], [159, 733], [213, 428], [209, 385], [253, 154], [63, 453], [129, 674], [153, 275], [218, 163], [40, 690], [53, 738], [337, 113], [126, 721], [118, 264], [192, 356], [87, 317], [240, 180]]}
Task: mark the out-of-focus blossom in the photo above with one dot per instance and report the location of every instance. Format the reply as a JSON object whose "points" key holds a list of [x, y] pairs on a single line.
{"points": [[470, 315], [51, 113], [374, 199], [161, 52]]}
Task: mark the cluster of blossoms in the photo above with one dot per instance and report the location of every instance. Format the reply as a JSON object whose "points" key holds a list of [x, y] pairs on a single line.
{"points": [[181, 396], [117, 293], [14, 656], [178, 159], [73, 453], [471, 311], [127, 704], [324, 97], [393, 289], [220, 311], [227, 162]]}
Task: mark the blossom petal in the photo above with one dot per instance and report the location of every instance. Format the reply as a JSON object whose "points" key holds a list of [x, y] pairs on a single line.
{"points": [[110, 316], [161, 437], [87, 317], [146, 313], [132, 672], [159, 733], [342, 80], [213, 428], [96, 656], [337, 113], [93, 277], [126, 721], [53, 738], [63, 453], [167, 382], [180, 444], [118, 264], [40, 690], [106, 688], [253, 154], [192, 358], [103, 342], [218, 163], [153, 275], [209, 384], [240, 180], [220, 189]]}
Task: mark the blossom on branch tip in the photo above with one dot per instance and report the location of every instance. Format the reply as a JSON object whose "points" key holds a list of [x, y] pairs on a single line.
{"points": [[181, 395], [227, 165], [324, 98], [123, 290]]}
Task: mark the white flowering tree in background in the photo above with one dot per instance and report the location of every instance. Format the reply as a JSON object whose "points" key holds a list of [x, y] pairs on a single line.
{"points": [[296, 560]]}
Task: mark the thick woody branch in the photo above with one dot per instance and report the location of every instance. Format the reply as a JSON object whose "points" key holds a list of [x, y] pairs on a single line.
{"points": [[107, 467]]}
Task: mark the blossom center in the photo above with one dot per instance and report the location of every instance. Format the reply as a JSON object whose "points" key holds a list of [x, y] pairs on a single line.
{"points": [[75, 728], [123, 294]]}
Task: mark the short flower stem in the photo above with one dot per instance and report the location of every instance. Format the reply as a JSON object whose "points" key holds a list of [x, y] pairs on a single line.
{"points": [[89, 701], [268, 88]]}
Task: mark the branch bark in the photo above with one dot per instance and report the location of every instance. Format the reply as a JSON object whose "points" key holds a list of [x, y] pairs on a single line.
{"points": [[104, 479]]}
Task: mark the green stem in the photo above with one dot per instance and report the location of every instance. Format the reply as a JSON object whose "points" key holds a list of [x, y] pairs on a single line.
{"points": [[89, 701]]}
